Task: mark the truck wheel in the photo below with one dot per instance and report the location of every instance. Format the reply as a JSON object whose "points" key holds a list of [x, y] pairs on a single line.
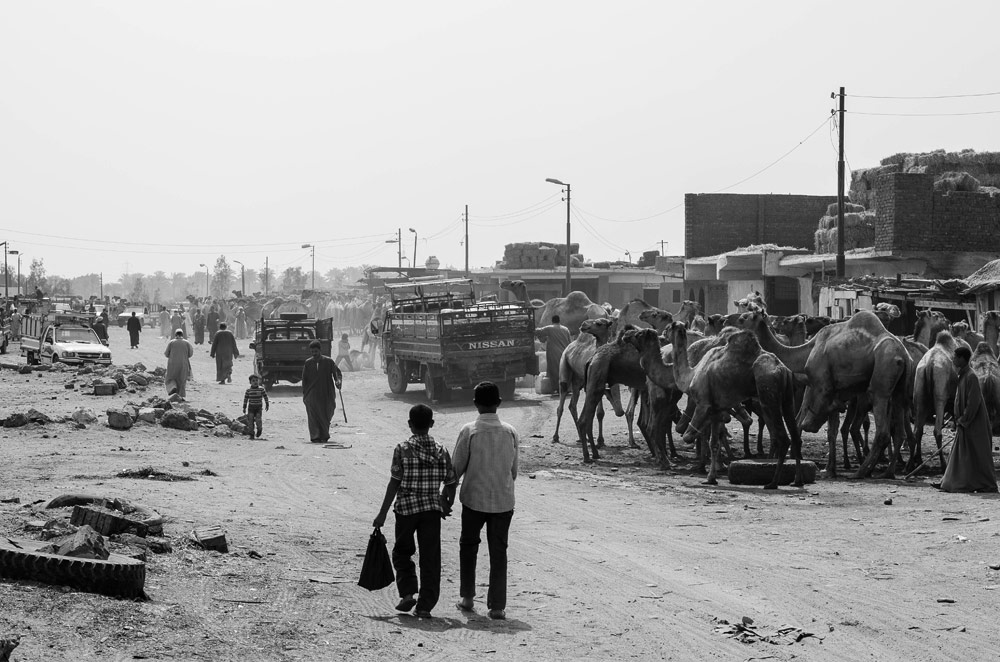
{"points": [[268, 384], [397, 377], [118, 576], [435, 388], [507, 389], [31, 359]]}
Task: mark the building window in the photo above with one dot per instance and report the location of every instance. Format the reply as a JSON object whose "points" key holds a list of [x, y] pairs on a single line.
{"points": [[676, 298]]}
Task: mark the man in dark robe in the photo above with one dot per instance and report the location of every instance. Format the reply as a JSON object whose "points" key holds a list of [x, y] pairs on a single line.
{"points": [[134, 328], [970, 465], [224, 350], [320, 380], [100, 328], [213, 323], [199, 327], [556, 338]]}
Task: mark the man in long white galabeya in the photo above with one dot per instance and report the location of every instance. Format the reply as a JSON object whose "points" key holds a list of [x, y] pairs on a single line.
{"points": [[179, 352]]}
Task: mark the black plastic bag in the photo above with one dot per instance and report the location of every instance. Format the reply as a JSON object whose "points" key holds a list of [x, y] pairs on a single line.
{"points": [[376, 572]]}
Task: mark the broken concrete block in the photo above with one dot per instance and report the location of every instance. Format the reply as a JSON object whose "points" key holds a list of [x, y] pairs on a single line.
{"points": [[139, 367], [84, 544], [15, 420], [211, 537], [25, 369], [147, 414], [102, 388], [119, 419], [83, 416], [177, 420], [175, 398], [35, 416], [136, 378], [105, 520], [223, 431], [159, 412]]}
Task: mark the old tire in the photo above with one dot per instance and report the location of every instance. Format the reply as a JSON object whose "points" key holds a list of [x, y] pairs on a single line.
{"points": [[754, 472], [435, 388], [397, 377], [118, 576]]}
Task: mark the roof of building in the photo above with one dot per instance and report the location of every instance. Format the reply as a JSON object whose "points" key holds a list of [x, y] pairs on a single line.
{"points": [[987, 278]]}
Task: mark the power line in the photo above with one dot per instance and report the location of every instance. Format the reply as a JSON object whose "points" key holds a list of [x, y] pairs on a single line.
{"points": [[521, 220], [978, 112], [940, 96], [527, 209], [594, 233], [199, 245]]}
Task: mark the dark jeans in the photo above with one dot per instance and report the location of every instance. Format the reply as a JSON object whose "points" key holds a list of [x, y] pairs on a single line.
{"points": [[255, 418], [427, 526], [497, 527]]}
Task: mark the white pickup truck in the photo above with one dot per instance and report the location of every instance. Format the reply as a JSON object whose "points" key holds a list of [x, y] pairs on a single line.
{"points": [[61, 337]]}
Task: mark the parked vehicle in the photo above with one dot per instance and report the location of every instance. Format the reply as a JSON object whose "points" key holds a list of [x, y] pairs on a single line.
{"points": [[281, 346], [434, 332], [61, 337], [140, 313]]}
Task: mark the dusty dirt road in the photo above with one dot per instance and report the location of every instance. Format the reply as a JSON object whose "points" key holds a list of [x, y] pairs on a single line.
{"points": [[607, 562]]}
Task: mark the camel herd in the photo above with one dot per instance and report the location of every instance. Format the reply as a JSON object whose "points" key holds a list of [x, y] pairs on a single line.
{"points": [[795, 373]]}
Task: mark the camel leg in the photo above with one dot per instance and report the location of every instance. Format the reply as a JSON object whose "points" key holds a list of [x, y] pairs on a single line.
{"points": [[563, 392], [832, 425], [714, 445], [845, 431], [742, 414], [776, 415], [939, 404], [695, 434], [600, 424], [585, 429], [898, 434], [760, 440], [882, 408], [630, 416], [655, 407], [686, 416], [919, 418]]}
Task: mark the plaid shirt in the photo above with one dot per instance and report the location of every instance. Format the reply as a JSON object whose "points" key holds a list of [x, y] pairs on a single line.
{"points": [[421, 465]]}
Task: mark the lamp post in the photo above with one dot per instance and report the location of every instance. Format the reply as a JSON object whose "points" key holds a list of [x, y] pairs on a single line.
{"points": [[5, 297], [399, 246], [313, 263], [18, 254], [629, 256], [206, 278], [243, 282], [568, 252], [413, 262]]}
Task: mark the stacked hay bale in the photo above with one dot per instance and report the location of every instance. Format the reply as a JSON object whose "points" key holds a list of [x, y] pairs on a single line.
{"points": [[958, 169], [859, 228], [538, 255]]}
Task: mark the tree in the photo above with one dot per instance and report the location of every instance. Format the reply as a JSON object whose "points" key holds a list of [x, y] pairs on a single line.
{"points": [[36, 274], [222, 278], [137, 293], [293, 280]]}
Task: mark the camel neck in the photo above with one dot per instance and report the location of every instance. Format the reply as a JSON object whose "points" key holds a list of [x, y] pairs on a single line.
{"points": [[793, 356]]}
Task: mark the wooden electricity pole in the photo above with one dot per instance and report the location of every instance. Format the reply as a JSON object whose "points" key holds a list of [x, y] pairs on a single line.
{"points": [[467, 274], [841, 267]]}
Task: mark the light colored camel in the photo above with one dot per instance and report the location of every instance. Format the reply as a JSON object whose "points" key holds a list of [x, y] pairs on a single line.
{"points": [[991, 330], [792, 327], [984, 364], [729, 375], [854, 357], [520, 291], [934, 392], [572, 371], [571, 309], [963, 332], [751, 303], [929, 323]]}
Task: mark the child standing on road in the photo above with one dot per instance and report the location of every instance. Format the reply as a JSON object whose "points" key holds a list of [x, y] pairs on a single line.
{"points": [[344, 352], [253, 399], [419, 467]]}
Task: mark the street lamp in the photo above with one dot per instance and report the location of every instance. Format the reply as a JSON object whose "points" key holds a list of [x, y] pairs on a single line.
{"points": [[568, 255], [243, 282], [18, 254], [5, 297], [413, 262], [206, 278], [314, 263], [629, 255]]}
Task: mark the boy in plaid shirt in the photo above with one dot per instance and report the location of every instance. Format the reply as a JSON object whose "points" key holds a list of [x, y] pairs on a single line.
{"points": [[254, 397], [419, 467]]}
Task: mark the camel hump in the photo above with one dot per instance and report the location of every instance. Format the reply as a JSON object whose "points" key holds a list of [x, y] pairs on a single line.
{"points": [[983, 348], [577, 298], [945, 339]]}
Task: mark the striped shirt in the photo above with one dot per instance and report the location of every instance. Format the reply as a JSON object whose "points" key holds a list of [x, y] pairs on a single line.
{"points": [[254, 397], [486, 454]]}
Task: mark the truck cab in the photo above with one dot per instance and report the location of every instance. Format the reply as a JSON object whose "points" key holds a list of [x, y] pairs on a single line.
{"points": [[62, 338], [281, 346]]}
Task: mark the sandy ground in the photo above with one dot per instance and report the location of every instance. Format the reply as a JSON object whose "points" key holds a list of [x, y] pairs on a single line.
{"points": [[607, 562]]}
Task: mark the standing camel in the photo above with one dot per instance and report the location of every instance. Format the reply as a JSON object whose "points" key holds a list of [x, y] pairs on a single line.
{"points": [[660, 384], [984, 365], [963, 332], [571, 309], [572, 371], [929, 323], [727, 376]]}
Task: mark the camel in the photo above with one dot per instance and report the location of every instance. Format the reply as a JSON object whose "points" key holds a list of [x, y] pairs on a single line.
{"points": [[814, 324], [934, 392], [614, 363], [727, 376], [984, 364], [751, 303], [571, 309], [929, 324], [963, 332], [792, 327], [991, 330], [855, 357], [572, 371]]}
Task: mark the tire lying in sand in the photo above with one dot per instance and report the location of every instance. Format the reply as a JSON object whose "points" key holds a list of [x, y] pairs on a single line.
{"points": [[753, 472], [118, 576]]}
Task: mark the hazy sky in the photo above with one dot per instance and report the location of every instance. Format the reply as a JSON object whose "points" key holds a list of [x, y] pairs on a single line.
{"points": [[147, 136]]}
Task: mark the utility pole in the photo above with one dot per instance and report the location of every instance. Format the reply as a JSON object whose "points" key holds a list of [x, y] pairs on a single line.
{"points": [[569, 253], [467, 274], [102, 286], [267, 273], [841, 266], [399, 247], [662, 249]]}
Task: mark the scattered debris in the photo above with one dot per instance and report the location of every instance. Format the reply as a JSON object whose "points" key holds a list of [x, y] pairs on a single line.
{"points": [[83, 416], [212, 536], [888, 501], [119, 419], [84, 543], [150, 473], [746, 633], [105, 520]]}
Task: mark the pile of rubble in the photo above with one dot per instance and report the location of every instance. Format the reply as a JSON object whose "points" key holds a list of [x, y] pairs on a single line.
{"points": [[539, 255], [102, 380], [175, 413]]}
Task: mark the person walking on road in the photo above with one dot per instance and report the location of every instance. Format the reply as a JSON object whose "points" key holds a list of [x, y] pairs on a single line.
{"points": [[320, 380], [420, 466], [970, 465], [224, 350], [15, 326], [485, 457], [199, 327], [134, 328], [179, 352], [241, 323], [101, 329], [254, 399], [556, 338], [164, 323], [213, 322], [344, 352]]}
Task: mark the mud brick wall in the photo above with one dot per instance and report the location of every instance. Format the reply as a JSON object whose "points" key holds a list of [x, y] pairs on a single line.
{"points": [[718, 222], [910, 215]]}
